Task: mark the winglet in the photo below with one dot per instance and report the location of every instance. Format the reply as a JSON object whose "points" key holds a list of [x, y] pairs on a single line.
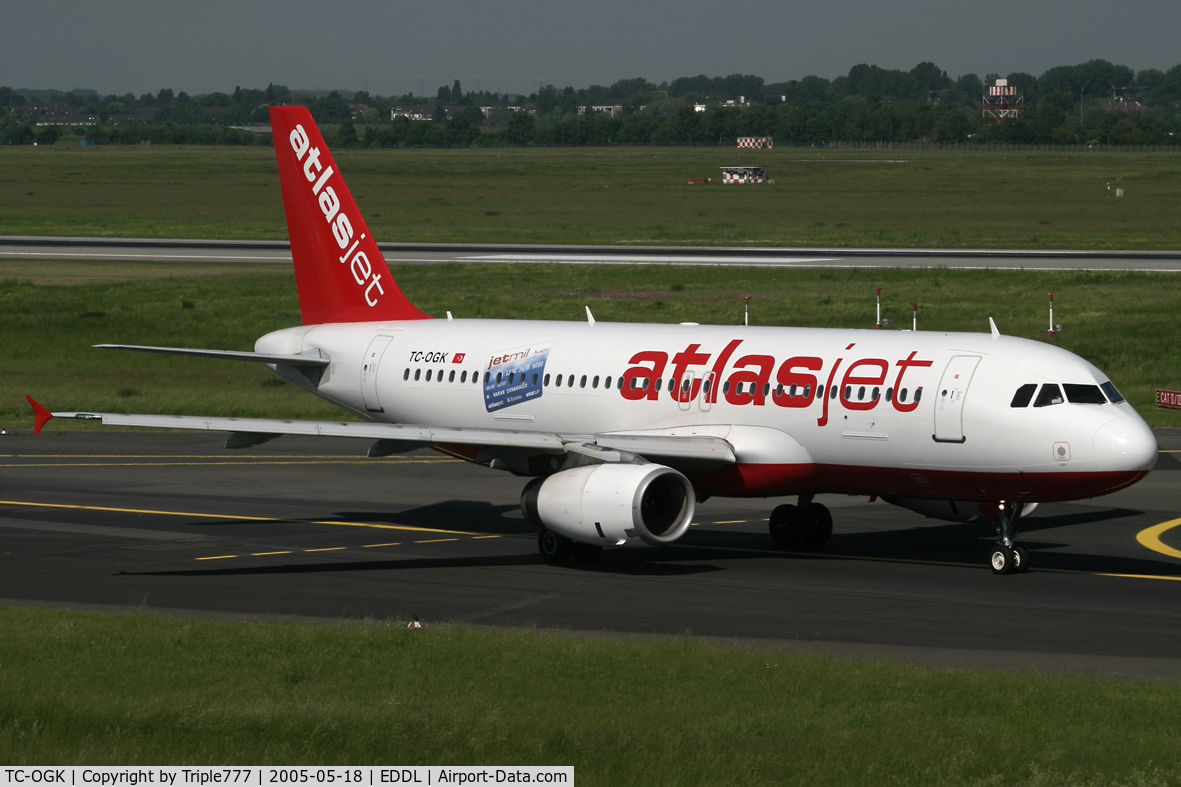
{"points": [[40, 415], [995, 332]]}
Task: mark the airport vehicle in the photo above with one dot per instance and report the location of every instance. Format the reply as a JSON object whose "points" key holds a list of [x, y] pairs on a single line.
{"points": [[622, 428]]}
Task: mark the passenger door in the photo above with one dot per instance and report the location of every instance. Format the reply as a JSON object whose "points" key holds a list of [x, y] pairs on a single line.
{"points": [[949, 404], [369, 366]]}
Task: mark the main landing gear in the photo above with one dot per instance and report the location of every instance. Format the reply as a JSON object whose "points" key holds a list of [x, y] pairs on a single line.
{"points": [[1008, 558], [807, 523], [556, 549]]}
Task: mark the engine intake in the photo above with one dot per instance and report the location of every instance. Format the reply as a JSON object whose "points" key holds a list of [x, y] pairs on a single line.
{"points": [[612, 504]]}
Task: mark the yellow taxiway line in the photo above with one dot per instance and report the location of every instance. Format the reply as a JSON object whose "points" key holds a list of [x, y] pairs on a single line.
{"points": [[1150, 537], [235, 517]]}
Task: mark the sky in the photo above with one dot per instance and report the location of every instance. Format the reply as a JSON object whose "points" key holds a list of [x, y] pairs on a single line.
{"points": [[393, 47]]}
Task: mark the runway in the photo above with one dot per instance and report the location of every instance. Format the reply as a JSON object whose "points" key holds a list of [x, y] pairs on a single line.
{"points": [[311, 528], [190, 251]]}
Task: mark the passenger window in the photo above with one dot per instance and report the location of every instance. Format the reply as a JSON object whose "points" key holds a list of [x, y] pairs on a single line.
{"points": [[889, 394], [807, 390], [487, 377], [659, 382], [861, 393], [849, 392], [451, 377], [874, 395], [1024, 395], [463, 376], [1083, 394], [918, 395], [832, 392], [766, 388], [545, 380], [619, 384], [1112, 394], [582, 382], [406, 374], [428, 375], [726, 387], [595, 382], [558, 381], [417, 372], [1050, 394], [607, 381], [902, 395]]}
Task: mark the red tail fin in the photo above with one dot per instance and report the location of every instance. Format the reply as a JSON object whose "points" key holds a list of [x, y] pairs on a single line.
{"points": [[40, 414], [339, 271]]}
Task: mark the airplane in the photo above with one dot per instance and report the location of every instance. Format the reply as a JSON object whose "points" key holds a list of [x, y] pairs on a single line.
{"points": [[623, 428]]}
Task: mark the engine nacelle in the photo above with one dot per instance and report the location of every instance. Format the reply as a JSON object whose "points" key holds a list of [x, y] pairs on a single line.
{"points": [[612, 504], [948, 510]]}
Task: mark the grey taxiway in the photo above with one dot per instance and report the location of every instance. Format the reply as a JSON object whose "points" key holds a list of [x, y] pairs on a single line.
{"points": [[311, 528]]}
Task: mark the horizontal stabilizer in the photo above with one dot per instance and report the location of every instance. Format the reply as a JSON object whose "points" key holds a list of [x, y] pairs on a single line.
{"points": [[227, 355]]}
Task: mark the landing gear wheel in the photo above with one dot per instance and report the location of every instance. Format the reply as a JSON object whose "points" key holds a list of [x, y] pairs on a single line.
{"points": [[786, 526], [1022, 560], [554, 549], [817, 524], [585, 553], [1004, 560]]}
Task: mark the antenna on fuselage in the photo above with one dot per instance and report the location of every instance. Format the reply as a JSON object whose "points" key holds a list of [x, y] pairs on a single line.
{"points": [[878, 292], [914, 314], [995, 333], [590, 318], [746, 310]]}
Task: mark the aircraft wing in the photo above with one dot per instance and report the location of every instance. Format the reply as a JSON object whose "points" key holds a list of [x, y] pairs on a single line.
{"points": [[696, 451], [225, 355]]}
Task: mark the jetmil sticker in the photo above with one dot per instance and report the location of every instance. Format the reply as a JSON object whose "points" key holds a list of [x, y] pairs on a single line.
{"points": [[515, 376]]}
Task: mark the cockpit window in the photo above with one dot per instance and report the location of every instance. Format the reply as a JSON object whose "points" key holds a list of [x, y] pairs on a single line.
{"points": [[1023, 396], [1112, 394], [1083, 394], [1050, 394]]}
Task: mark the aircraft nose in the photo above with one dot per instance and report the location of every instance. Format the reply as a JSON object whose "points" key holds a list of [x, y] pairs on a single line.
{"points": [[1125, 444]]}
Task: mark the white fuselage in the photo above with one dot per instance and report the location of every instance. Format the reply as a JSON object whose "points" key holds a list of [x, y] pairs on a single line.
{"points": [[923, 414]]}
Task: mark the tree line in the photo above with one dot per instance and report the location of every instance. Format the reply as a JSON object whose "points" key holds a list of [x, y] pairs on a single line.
{"points": [[1064, 105]]}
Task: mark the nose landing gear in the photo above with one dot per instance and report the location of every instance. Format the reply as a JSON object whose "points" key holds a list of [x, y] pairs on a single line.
{"points": [[807, 523], [1007, 557]]}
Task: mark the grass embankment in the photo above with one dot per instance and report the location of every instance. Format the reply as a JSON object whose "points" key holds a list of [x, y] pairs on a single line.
{"points": [[1122, 322], [131, 689], [616, 195]]}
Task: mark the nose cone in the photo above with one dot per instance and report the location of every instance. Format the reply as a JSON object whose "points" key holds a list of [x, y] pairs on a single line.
{"points": [[1125, 444]]}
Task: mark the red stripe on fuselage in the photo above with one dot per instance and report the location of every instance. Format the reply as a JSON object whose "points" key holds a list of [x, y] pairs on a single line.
{"points": [[770, 480], [774, 480]]}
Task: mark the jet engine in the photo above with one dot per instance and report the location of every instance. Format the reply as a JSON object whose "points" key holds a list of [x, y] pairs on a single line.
{"points": [[612, 504], [948, 510]]}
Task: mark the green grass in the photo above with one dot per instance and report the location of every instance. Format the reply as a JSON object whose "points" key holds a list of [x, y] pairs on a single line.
{"points": [[616, 196], [134, 689], [1121, 322]]}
